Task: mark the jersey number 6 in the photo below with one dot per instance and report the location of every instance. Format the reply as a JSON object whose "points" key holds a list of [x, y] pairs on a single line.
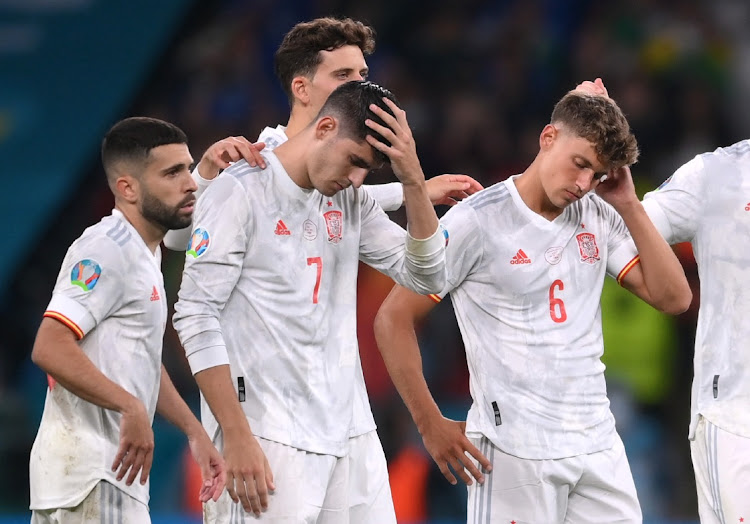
{"points": [[556, 305], [319, 266]]}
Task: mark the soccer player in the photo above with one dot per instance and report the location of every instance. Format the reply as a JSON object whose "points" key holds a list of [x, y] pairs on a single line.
{"points": [[526, 264], [100, 342], [267, 307], [707, 202], [313, 59]]}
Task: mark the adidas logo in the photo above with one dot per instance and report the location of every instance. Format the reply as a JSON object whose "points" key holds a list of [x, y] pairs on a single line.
{"points": [[155, 295], [520, 258], [281, 229]]}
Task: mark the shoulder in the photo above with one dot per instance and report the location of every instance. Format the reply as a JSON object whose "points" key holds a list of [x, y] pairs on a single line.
{"points": [[737, 152], [492, 195], [239, 173], [105, 246]]}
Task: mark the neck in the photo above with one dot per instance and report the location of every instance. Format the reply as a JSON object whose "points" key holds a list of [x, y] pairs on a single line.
{"points": [[299, 119], [531, 191], [292, 155], [151, 234]]}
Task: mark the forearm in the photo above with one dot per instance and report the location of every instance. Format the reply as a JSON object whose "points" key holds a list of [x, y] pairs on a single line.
{"points": [[420, 214], [663, 275], [58, 354], [215, 384], [388, 196], [398, 345], [172, 407]]}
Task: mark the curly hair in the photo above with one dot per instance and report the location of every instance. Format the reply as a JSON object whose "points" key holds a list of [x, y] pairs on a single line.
{"points": [[600, 121], [299, 52]]}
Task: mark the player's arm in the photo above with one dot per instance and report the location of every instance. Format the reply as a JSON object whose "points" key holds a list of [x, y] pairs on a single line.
{"points": [[217, 157], [402, 152], [172, 407], [251, 478], [208, 281], [57, 352], [658, 278], [445, 190], [444, 439]]}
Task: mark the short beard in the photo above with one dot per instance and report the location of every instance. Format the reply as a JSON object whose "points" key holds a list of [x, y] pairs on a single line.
{"points": [[156, 212]]}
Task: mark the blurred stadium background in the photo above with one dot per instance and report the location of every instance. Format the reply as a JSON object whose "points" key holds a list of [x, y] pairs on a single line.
{"points": [[478, 78]]}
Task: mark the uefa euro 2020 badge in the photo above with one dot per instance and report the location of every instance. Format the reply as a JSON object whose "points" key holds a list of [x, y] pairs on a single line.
{"points": [[85, 274], [199, 241]]}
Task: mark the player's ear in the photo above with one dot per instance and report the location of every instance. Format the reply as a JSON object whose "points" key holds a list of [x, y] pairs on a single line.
{"points": [[126, 188], [301, 89], [325, 126], [547, 136]]}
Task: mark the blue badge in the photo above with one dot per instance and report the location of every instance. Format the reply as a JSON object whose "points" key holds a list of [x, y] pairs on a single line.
{"points": [[445, 234], [198, 243], [85, 274]]}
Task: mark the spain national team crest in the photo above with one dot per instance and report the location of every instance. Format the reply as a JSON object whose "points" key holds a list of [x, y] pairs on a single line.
{"points": [[334, 226], [199, 241], [85, 274], [588, 248]]}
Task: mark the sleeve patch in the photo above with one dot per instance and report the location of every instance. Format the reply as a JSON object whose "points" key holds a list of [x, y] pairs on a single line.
{"points": [[199, 242], [85, 274]]}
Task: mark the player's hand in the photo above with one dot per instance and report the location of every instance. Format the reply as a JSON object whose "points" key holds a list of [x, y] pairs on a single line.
{"points": [[224, 152], [448, 190], [446, 442], [592, 88], [403, 150], [136, 451], [211, 463], [249, 476], [618, 188]]}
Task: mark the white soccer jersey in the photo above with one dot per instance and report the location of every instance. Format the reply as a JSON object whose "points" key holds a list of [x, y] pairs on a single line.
{"points": [[390, 198], [110, 292], [270, 287], [526, 294], [707, 202]]}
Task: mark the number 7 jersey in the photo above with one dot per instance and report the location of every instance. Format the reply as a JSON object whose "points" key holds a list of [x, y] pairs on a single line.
{"points": [[526, 295], [270, 287]]}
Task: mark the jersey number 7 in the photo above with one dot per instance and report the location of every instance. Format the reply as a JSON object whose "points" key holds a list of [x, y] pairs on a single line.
{"points": [[319, 266]]}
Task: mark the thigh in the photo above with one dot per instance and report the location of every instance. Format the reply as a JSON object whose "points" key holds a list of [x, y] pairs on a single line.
{"points": [[370, 500], [520, 490], [721, 461], [301, 480], [105, 504], [605, 492]]}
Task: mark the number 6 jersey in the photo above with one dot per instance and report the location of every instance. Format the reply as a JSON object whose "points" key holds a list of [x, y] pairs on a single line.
{"points": [[270, 286], [526, 294]]}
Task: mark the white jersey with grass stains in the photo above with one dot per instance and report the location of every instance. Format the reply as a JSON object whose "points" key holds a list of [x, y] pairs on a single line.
{"points": [[270, 286], [526, 294], [707, 202], [110, 293]]}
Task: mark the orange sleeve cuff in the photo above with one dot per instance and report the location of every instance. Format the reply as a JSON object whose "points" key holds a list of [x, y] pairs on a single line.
{"points": [[630, 265], [65, 320]]}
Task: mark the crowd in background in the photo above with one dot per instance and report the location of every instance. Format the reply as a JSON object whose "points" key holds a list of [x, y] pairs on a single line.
{"points": [[478, 80]]}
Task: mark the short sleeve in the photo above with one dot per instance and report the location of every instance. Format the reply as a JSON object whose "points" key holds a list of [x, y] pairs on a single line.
{"points": [[677, 205], [89, 286], [464, 249]]}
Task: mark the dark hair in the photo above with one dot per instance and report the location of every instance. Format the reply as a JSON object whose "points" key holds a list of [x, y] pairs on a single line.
{"points": [[132, 139], [600, 121], [299, 52], [350, 104]]}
